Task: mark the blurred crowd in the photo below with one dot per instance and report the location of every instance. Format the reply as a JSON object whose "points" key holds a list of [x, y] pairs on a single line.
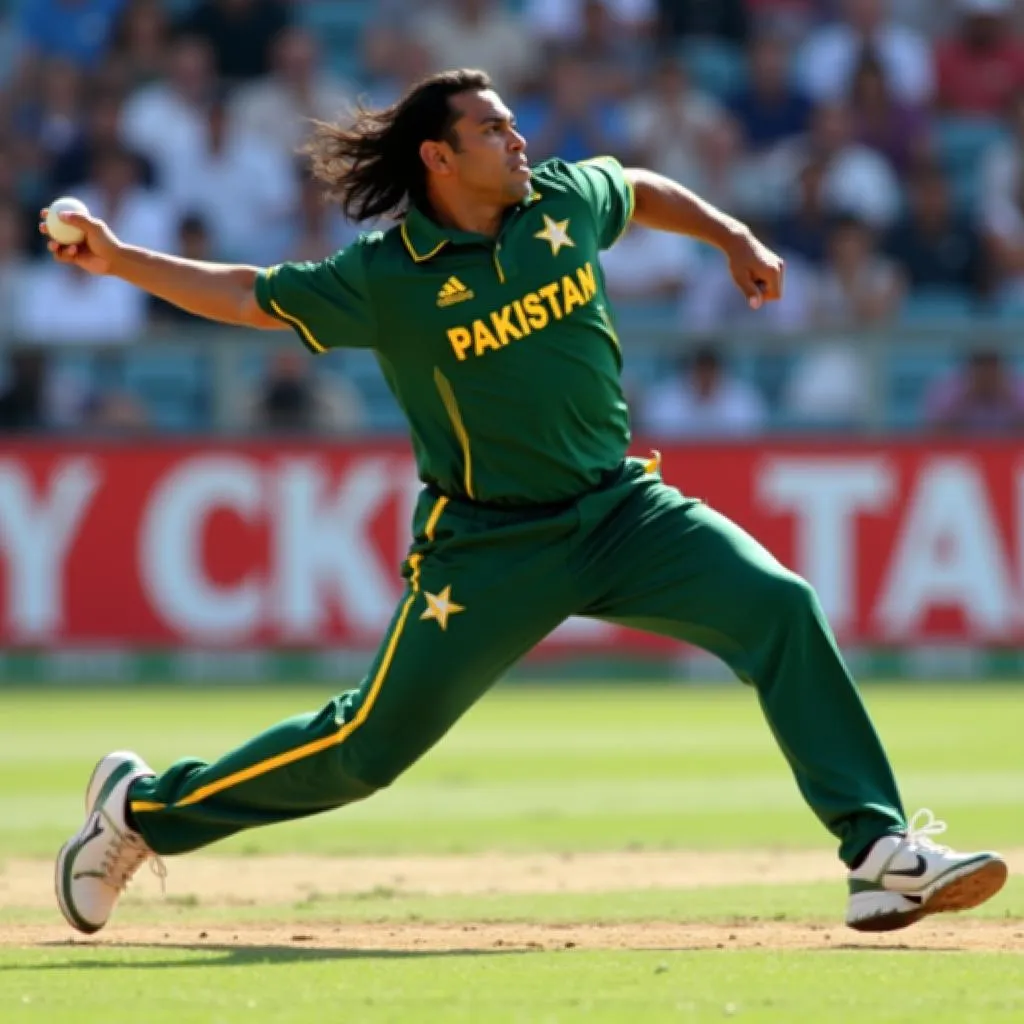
{"points": [[877, 144]]}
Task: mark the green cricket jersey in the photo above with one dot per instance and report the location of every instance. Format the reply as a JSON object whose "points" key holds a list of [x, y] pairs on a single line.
{"points": [[501, 352]]}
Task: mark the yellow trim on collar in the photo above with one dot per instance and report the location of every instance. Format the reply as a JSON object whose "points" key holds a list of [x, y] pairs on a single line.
{"points": [[417, 257]]}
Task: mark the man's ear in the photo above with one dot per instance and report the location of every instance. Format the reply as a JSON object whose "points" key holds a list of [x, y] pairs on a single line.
{"points": [[436, 156]]}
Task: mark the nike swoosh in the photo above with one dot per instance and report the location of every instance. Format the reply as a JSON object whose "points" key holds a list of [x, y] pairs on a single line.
{"points": [[94, 833], [915, 872], [97, 830]]}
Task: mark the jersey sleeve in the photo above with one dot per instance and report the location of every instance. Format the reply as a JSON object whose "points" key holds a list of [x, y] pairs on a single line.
{"points": [[327, 303], [603, 184]]}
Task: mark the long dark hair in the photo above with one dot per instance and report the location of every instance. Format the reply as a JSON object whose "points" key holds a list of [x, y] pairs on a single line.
{"points": [[372, 167]]}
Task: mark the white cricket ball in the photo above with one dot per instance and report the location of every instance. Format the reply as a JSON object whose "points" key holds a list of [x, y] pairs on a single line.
{"points": [[65, 234]]}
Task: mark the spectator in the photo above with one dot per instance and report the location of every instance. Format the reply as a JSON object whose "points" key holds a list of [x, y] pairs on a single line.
{"points": [[318, 230], [623, 59], [75, 30], [701, 399], [381, 48], [860, 287], [935, 247], [23, 392], [829, 58], [650, 266], [924, 16], [50, 122], [292, 400], [166, 120], [1001, 164], [100, 133], [829, 386], [857, 180], [668, 121], [561, 21], [141, 41], [725, 174], [788, 19], [113, 412], [13, 264], [770, 108], [985, 397], [981, 67], [1003, 226], [715, 303], [240, 33], [572, 120], [480, 33], [395, 61], [115, 193], [894, 129], [280, 107], [192, 242], [241, 186], [721, 19], [804, 229], [11, 189], [60, 304]]}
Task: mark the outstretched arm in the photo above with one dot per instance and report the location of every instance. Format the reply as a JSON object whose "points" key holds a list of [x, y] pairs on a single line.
{"points": [[667, 206], [216, 291]]}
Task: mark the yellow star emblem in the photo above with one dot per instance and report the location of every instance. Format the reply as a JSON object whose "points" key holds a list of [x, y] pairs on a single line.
{"points": [[440, 606], [556, 234]]}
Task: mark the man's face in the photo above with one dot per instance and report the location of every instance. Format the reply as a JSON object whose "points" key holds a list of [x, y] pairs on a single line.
{"points": [[865, 15], [849, 246], [986, 375], [295, 54], [830, 128], [10, 232], [930, 200], [707, 374], [472, 11], [983, 30], [116, 173], [192, 68], [769, 65], [490, 158], [105, 120]]}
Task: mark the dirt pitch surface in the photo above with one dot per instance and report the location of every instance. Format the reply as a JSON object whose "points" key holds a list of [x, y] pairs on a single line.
{"points": [[277, 883]]}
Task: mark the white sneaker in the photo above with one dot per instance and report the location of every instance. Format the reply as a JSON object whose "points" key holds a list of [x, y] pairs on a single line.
{"points": [[905, 878], [95, 865]]}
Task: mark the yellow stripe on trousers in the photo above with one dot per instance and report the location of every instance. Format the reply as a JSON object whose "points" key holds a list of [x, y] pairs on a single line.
{"points": [[325, 742]]}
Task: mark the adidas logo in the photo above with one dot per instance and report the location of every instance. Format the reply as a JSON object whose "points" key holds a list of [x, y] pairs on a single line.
{"points": [[451, 292]]}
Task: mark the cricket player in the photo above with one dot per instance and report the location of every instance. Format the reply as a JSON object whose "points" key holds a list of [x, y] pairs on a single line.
{"points": [[487, 310]]}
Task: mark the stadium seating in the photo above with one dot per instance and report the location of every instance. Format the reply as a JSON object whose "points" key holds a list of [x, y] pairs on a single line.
{"points": [[339, 25], [960, 143], [173, 386], [715, 66], [909, 375], [939, 307]]}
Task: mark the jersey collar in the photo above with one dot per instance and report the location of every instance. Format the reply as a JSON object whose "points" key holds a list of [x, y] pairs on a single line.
{"points": [[424, 239]]}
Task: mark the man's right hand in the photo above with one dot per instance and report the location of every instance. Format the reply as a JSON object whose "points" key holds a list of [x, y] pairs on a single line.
{"points": [[95, 254]]}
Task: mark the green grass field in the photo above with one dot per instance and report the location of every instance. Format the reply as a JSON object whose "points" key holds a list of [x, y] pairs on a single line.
{"points": [[590, 776]]}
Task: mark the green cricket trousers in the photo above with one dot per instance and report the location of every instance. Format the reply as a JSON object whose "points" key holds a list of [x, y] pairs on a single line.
{"points": [[484, 586]]}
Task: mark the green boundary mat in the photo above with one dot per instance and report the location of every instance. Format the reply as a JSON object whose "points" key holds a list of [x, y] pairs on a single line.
{"points": [[277, 666]]}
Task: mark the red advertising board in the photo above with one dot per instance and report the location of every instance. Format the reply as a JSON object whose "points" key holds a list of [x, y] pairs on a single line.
{"points": [[256, 545]]}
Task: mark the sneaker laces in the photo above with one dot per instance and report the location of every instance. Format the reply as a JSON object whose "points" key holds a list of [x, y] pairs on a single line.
{"points": [[125, 855], [921, 827]]}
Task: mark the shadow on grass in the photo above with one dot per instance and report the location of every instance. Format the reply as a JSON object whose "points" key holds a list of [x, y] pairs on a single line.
{"points": [[228, 955], [854, 947], [231, 955]]}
